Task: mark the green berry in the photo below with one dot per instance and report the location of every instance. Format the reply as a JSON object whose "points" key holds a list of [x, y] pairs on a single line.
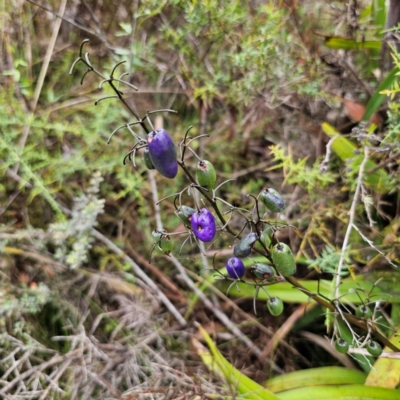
{"points": [[263, 271], [374, 348], [283, 259], [266, 236], [185, 213], [275, 306], [363, 311], [243, 247], [162, 241], [341, 346], [272, 200], [206, 175]]}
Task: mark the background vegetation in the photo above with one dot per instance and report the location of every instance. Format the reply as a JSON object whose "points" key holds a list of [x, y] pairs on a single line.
{"points": [[83, 313]]}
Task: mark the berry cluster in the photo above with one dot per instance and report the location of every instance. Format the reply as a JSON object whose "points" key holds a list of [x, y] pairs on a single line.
{"points": [[160, 154], [203, 223]]}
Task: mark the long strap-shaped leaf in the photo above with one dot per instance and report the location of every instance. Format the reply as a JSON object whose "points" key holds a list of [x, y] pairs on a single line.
{"points": [[378, 98], [315, 377], [244, 385], [341, 392]]}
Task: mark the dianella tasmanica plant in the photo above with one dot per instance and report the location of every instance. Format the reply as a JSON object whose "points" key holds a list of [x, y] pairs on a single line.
{"points": [[206, 220]]}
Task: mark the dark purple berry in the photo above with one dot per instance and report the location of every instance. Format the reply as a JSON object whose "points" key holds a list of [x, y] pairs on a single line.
{"points": [[235, 268], [243, 247], [163, 153], [203, 225]]}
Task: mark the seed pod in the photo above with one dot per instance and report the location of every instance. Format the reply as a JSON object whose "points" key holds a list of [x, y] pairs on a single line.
{"points": [[374, 348], [272, 200], [185, 213], [263, 271], [275, 306], [235, 268], [363, 311], [266, 236], [147, 159], [206, 175], [243, 247], [283, 259], [203, 225], [163, 153], [341, 346]]}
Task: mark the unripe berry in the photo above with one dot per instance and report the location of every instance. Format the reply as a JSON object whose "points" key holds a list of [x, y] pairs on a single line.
{"points": [[341, 346], [163, 241], [206, 175], [374, 348], [275, 306], [185, 213], [283, 259], [263, 271], [272, 200], [243, 247], [363, 311], [266, 236]]}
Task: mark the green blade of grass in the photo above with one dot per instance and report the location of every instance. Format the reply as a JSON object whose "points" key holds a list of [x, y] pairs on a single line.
{"points": [[378, 98], [243, 384], [340, 392], [315, 377], [340, 43], [379, 15], [289, 294]]}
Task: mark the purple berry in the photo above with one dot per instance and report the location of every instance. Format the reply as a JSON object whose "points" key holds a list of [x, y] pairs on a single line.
{"points": [[235, 268], [203, 225], [162, 153]]}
